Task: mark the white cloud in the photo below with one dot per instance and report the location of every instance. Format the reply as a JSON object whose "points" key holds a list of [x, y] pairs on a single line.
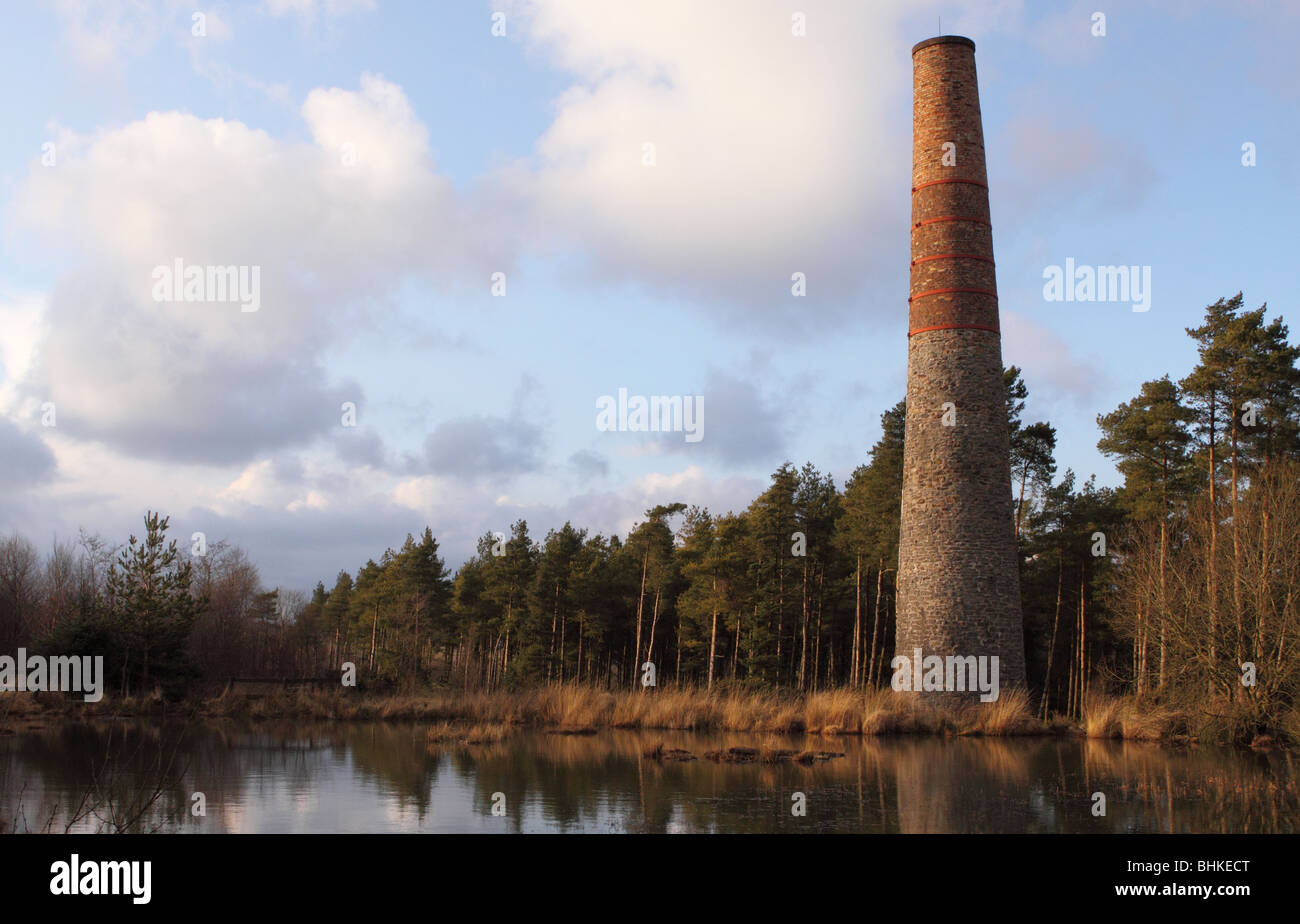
{"points": [[99, 33], [773, 153], [329, 223], [422, 493], [620, 511], [20, 319]]}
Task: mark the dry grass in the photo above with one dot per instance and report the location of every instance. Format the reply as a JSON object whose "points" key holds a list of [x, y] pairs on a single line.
{"points": [[835, 712], [1153, 723], [776, 755], [573, 709], [886, 712], [1101, 716], [445, 733], [827, 713], [1289, 725], [1010, 714], [1115, 717]]}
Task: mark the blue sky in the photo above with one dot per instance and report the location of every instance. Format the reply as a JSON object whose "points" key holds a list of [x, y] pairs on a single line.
{"points": [[474, 154]]}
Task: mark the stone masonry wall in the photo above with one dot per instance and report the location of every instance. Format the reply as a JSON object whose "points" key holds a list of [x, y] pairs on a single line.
{"points": [[958, 579]]}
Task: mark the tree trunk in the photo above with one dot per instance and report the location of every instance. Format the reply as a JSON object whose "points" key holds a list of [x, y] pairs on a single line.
{"points": [[713, 637], [1020, 503], [780, 606], [374, 629], [735, 650], [650, 648], [1236, 556], [803, 650], [1056, 622], [640, 601], [677, 671], [555, 615], [857, 624], [875, 621], [817, 648], [1164, 545], [1083, 644], [1212, 578]]}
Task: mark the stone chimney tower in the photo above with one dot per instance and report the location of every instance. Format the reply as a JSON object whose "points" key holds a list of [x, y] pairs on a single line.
{"points": [[958, 577]]}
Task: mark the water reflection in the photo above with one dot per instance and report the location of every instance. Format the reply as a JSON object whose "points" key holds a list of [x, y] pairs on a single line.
{"points": [[295, 777]]}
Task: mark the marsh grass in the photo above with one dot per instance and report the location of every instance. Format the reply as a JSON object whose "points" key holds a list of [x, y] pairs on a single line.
{"points": [[1115, 717], [574, 709], [1010, 714], [445, 734]]}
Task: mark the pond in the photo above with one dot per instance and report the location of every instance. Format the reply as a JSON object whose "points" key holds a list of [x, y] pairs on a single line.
{"points": [[295, 777]]}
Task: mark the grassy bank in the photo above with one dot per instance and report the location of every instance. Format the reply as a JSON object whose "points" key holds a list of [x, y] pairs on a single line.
{"points": [[1240, 723], [574, 709]]}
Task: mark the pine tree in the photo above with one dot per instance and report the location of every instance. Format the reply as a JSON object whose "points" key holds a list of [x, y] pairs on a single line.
{"points": [[1149, 436], [867, 534], [1033, 462], [817, 507], [152, 610]]}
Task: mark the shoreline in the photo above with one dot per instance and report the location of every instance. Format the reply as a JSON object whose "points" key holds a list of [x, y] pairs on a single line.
{"points": [[572, 709]]}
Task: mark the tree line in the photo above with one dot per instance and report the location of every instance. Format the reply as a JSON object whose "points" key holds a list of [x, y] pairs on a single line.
{"points": [[1167, 586]]}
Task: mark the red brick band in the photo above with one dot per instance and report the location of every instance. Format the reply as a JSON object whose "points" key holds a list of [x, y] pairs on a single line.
{"points": [[941, 182], [930, 221], [953, 256], [953, 289], [921, 330]]}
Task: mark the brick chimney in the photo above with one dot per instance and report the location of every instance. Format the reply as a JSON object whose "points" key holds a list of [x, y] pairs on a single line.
{"points": [[958, 577]]}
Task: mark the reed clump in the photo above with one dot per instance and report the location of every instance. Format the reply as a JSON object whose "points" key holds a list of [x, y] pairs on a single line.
{"points": [[886, 712], [1106, 716], [835, 712], [1101, 716], [1009, 714], [447, 733]]}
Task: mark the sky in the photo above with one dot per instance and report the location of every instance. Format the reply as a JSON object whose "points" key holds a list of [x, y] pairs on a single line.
{"points": [[470, 221]]}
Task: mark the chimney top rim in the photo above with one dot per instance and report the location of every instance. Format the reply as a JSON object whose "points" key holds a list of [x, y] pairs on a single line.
{"points": [[944, 40]]}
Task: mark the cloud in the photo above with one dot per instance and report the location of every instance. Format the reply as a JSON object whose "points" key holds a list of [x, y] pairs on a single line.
{"points": [[27, 460], [740, 424], [1042, 167], [362, 446], [173, 388], [103, 35], [353, 518], [617, 511], [99, 33], [310, 543], [587, 464], [1047, 360], [353, 213], [21, 319], [481, 446], [769, 149]]}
